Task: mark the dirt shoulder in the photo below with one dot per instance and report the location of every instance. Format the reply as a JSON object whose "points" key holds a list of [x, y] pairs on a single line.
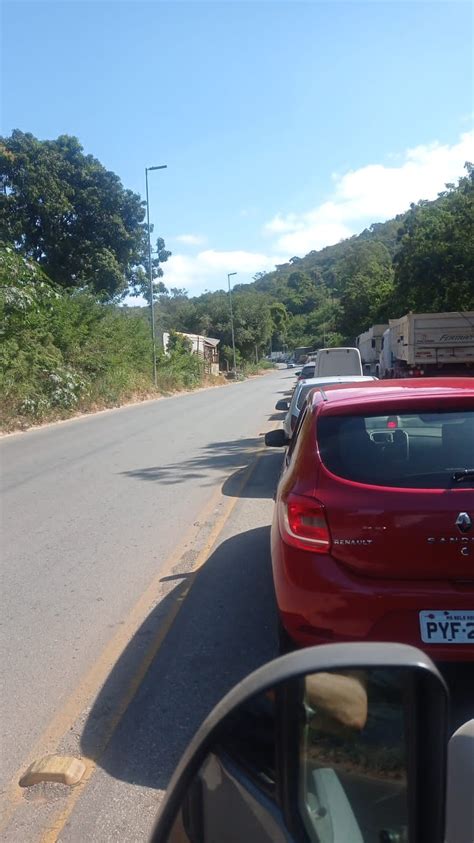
{"points": [[21, 425]]}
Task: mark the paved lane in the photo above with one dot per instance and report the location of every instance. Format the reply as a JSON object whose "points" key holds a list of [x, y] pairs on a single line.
{"points": [[91, 510]]}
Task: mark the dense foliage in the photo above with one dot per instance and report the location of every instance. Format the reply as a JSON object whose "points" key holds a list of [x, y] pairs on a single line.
{"points": [[434, 267], [65, 211], [62, 350]]}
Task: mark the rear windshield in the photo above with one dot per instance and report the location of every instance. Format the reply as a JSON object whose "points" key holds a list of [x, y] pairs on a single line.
{"points": [[415, 450]]}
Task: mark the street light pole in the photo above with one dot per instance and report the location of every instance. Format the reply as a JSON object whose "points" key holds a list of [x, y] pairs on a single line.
{"points": [[150, 269], [229, 275]]}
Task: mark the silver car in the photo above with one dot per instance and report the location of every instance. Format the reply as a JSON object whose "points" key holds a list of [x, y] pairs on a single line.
{"points": [[302, 389]]}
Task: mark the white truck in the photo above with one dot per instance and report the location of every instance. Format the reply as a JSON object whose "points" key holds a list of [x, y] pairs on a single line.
{"points": [[337, 361], [428, 345], [370, 345]]}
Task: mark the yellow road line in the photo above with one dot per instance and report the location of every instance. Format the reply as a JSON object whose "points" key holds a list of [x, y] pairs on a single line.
{"points": [[97, 674], [52, 833]]}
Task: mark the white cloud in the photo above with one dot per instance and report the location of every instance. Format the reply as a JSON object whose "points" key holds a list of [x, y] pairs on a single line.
{"points": [[373, 193], [190, 239], [208, 269]]}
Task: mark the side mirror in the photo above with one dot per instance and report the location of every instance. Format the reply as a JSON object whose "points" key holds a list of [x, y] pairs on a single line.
{"points": [[343, 743], [281, 405], [276, 438]]}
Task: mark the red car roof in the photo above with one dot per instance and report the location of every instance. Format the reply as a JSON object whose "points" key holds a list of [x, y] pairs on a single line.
{"points": [[393, 395]]}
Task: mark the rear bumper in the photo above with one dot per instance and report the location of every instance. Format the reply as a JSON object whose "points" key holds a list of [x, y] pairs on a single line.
{"points": [[321, 602]]}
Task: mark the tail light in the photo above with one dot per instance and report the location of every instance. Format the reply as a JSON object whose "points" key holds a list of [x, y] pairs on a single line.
{"points": [[303, 523]]}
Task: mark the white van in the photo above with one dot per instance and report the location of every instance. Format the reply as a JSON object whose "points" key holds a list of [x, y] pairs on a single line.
{"points": [[338, 361]]}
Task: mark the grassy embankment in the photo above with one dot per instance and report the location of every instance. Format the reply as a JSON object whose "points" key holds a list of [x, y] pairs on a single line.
{"points": [[64, 353]]}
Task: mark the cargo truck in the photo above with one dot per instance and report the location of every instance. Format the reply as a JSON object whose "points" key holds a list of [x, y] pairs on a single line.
{"points": [[428, 344], [370, 345]]}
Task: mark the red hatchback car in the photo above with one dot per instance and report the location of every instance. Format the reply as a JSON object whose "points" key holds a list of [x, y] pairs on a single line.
{"points": [[373, 529]]}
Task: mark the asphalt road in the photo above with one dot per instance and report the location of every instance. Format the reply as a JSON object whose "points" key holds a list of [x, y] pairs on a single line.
{"points": [[104, 520], [93, 511]]}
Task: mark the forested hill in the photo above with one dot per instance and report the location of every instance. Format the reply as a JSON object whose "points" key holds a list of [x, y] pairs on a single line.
{"points": [[324, 263], [421, 260]]}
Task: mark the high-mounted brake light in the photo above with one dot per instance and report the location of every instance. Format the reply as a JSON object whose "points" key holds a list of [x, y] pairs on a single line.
{"points": [[392, 422], [303, 523]]}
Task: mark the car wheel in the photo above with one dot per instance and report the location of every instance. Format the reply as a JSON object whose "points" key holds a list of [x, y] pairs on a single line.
{"points": [[285, 642]]}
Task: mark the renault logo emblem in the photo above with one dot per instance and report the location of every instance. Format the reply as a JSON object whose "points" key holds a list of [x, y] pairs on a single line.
{"points": [[464, 522]]}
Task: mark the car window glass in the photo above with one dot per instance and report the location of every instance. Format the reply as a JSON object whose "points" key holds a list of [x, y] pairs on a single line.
{"points": [[294, 438], [302, 396], [293, 403], [250, 739], [352, 778], [410, 450], [307, 388]]}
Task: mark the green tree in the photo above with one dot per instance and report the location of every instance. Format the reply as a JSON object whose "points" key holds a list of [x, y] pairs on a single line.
{"points": [[280, 320], [65, 211], [253, 324], [434, 268], [302, 295], [179, 344], [62, 347], [140, 281], [365, 276]]}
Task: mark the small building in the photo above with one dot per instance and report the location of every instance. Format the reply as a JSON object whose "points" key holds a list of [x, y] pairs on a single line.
{"points": [[205, 347]]}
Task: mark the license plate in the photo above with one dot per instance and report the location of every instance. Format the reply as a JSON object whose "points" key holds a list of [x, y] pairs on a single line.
{"points": [[443, 627]]}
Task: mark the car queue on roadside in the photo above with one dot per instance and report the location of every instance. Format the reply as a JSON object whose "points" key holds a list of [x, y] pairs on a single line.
{"points": [[373, 529]]}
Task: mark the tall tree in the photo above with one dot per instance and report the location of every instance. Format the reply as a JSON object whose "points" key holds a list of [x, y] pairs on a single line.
{"points": [[64, 210], [434, 268], [140, 281], [280, 319], [365, 277]]}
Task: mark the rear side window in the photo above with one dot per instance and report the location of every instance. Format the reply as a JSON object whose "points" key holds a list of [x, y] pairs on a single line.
{"points": [[411, 450], [296, 433], [303, 393]]}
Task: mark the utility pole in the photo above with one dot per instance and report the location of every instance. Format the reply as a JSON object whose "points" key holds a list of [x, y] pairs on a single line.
{"points": [[150, 269], [229, 275]]}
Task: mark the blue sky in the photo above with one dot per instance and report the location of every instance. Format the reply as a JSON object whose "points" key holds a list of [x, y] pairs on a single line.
{"points": [[285, 126]]}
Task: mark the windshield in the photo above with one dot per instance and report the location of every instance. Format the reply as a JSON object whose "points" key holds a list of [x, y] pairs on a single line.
{"points": [[194, 195], [414, 450]]}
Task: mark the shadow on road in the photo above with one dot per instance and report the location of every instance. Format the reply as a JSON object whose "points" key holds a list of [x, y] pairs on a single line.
{"points": [[217, 456], [264, 478], [224, 630], [278, 416]]}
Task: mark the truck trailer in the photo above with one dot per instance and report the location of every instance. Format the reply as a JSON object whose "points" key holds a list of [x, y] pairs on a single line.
{"points": [[428, 344], [370, 345]]}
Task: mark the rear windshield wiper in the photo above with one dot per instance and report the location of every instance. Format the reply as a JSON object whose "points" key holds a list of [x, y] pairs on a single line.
{"points": [[465, 474]]}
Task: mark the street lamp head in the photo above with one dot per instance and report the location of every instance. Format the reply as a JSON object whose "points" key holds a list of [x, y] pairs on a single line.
{"points": [[159, 167], [229, 274]]}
